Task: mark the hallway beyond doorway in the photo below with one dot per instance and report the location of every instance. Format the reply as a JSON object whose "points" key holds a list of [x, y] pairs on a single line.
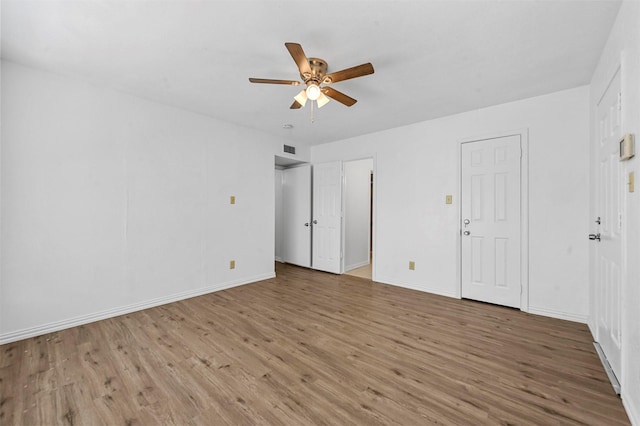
{"points": [[361, 272]]}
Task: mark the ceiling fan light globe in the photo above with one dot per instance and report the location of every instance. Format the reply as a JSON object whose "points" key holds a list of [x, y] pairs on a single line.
{"points": [[313, 91], [301, 97], [322, 100]]}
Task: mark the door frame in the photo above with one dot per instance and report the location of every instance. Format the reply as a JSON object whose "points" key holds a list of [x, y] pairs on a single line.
{"points": [[374, 214], [372, 219], [524, 210]]}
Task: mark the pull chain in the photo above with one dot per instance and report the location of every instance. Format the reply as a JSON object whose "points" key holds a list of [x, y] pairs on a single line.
{"points": [[312, 118]]}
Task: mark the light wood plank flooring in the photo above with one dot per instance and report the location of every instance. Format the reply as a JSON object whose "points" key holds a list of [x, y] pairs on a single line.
{"points": [[310, 348], [361, 272]]}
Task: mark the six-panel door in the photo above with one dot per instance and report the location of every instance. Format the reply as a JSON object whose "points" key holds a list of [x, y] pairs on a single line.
{"points": [[491, 251]]}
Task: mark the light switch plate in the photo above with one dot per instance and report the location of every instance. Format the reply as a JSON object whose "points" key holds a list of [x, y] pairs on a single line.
{"points": [[232, 264], [632, 181], [412, 265], [232, 199], [449, 199]]}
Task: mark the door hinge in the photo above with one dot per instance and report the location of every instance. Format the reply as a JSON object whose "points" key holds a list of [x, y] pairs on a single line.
{"points": [[619, 101], [619, 220]]}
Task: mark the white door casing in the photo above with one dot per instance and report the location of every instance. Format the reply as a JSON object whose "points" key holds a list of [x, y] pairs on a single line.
{"points": [[610, 183], [491, 209], [327, 217], [296, 201]]}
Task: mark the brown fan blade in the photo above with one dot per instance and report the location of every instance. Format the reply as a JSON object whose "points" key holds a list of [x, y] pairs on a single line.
{"points": [[299, 57], [295, 105], [353, 72], [271, 81], [338, 96]]}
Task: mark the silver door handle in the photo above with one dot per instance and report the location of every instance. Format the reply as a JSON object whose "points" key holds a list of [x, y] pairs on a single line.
{"points": [[467, 232], [306, 224], [594, 236], [315, 222]]}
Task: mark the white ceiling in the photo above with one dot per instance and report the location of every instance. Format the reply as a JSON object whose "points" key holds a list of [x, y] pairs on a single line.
{"points": [[431, 58]]}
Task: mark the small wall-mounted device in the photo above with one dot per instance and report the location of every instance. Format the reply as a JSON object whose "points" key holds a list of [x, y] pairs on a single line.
{"points": [[627, 148]]}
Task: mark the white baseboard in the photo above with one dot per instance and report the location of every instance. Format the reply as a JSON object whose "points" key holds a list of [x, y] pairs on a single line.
{"points": [[279, 259], [356, 265], [127, 309], [632, 411], [558, 314], [439, 292], [592, 329], [532, 310]]}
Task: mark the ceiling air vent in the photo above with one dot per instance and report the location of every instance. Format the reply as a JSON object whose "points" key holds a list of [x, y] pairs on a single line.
{"points": [[290, 149]]}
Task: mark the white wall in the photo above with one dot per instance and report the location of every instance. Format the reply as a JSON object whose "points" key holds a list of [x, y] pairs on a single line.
{"points": [[417, 165], [623, 49], [357, 189], [111, 203]]}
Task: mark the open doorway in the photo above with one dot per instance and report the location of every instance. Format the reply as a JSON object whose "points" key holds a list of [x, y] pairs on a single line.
{"points": [[292, 212], [358, 218], [354, 204]]}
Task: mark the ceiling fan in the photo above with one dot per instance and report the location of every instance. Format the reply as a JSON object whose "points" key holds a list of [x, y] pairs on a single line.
{"points": [[313, 72]]}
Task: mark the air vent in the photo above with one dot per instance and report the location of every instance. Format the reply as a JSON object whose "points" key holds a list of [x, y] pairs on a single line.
{"points": [[290, 149]]}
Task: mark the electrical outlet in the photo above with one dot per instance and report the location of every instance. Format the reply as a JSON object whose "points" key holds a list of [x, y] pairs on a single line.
{"points": [[232, 199], [412, 265], [449, 199], [232, 264]]}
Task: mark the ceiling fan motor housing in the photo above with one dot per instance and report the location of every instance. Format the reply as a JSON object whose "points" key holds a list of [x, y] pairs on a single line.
{"points": [[318, 71]]}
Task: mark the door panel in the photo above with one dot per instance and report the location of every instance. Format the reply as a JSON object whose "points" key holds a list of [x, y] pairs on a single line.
{"points": [[327, 217], [609, 203], [296, 200], [491, 247]]}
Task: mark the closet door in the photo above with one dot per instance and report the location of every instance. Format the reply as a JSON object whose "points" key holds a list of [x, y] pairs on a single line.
{"points": [[327, 217], [491, 221], [610, 186]]}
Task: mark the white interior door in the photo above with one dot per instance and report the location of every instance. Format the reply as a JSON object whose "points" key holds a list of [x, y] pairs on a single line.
{"points": [[610, 184], [296, 202], [491, 221], [327, 217]]}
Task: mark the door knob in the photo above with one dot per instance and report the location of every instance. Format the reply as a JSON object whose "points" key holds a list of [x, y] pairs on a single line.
{"points": [[315, 222], [467, 232], [466, 222], [594, 236], [306, 224]]}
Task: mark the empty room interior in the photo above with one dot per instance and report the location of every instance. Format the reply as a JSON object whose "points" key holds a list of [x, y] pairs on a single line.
{"points": [[330, 212]]}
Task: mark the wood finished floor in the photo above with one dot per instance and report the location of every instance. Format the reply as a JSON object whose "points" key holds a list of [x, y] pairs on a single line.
{"points": [[310, 348]]}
